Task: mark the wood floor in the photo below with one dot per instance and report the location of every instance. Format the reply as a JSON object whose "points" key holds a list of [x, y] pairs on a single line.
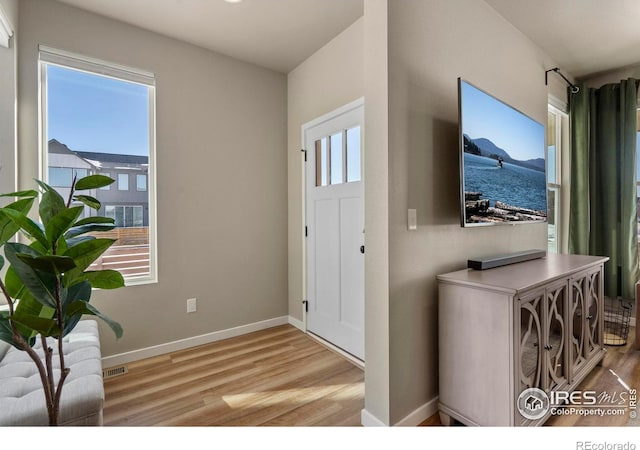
{"points": [[281, 377], [277, 377], [625, 364]]}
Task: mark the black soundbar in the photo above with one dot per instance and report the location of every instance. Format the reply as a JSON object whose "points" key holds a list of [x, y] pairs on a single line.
{"points": [[502, 260]]}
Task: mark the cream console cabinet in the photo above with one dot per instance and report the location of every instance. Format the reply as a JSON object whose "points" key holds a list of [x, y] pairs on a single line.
{"points": [[536, 324]]}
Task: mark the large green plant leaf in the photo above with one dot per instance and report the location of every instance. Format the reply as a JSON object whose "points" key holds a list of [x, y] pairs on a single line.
{"points": [[84, 254], [91, 202], [1, 262], [32, 318], [49, 264], [90, 224], [8, 228], [40, 284], [96, 227], [6, 333], [61, 222], [93, 220], [51, 204], [93, 182], [27, 225], [27, 305], [81, 292], [21, 194], [78, 308], [105, 279], [72, 242], [15, 286]]}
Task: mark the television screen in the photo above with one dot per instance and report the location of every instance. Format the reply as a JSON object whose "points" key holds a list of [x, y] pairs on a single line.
{"points": [[502, 162]]}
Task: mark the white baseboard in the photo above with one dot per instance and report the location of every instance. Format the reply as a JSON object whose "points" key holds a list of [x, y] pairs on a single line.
{"points": [[299, 324], [412, 420], [419, 415], [369, 420], [148, 352]]}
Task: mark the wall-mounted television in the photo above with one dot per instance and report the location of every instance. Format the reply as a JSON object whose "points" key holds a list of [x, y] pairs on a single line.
{"points": [[502, 162]]}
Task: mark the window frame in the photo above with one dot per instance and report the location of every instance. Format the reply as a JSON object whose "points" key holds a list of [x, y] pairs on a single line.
{"points": [[48, 56], [146, 182], [561, 117], [125, 180]]}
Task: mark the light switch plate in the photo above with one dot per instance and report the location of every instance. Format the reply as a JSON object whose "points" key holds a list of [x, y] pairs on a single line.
{"points": [[412, 219]]}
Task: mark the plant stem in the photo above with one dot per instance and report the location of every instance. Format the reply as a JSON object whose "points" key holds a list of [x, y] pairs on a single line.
{"points": [[64, 371], [73, 188], [8, 297], [48, 356], [46, 374], [20, 342]]}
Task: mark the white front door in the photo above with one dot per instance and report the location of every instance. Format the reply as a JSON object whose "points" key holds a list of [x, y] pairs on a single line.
{"points": [[335, 227]]}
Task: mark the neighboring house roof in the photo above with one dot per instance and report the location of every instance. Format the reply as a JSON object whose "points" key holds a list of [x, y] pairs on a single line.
{"points": [[114, 158], [59, 148], [102, 160]]}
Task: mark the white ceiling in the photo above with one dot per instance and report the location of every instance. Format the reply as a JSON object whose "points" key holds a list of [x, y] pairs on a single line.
{"points": [[584, 37], [278, 34]]}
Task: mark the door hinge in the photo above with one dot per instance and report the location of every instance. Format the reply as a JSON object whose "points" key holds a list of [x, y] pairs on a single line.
{"points": [[306, 305], [305, 154]]}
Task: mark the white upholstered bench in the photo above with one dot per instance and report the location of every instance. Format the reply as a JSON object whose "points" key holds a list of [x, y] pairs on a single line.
{"points": [[21, 394]]}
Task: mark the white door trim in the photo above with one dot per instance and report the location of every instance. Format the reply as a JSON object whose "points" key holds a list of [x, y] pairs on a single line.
{"points": [[306, 153]]}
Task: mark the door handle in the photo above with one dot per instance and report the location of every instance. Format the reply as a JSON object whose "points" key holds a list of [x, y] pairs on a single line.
{"points": [[362, 249]]}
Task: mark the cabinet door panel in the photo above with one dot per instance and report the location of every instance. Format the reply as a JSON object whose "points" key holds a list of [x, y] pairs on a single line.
{"points": [[555, 336], [530, 357], [577, 334], [593, 323]]}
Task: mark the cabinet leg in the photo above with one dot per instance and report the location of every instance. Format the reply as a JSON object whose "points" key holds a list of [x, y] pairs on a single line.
{"points": [[446, 420]]}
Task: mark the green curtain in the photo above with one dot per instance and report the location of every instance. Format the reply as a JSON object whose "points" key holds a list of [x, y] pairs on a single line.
{"points": [[602, 210]]}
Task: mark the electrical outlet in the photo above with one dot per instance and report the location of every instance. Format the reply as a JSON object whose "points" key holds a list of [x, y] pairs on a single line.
{"points": [[191, 305]]}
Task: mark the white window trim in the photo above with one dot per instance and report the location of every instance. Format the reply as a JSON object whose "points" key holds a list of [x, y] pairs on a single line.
{"points": [[97, 66], [48, 55], [6, 29], [558, 186]]}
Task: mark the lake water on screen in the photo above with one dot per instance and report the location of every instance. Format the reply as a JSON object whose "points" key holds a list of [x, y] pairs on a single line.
{"points": [[511, 184]]}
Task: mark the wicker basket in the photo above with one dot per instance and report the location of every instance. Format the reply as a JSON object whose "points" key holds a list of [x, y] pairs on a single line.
{"points": [[617, 315]]}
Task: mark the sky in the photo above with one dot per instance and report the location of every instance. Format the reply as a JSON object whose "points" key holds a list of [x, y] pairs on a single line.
{"points": [[485, 117], [94, 113]]}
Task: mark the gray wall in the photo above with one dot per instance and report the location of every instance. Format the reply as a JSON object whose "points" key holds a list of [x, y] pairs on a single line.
{"points": [[376, 166], [431, 44], [222, 189], [8, 102], [330, 78]]}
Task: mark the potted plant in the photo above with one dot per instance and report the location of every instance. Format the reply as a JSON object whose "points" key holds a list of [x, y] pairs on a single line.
{"points": [[47, 285]]}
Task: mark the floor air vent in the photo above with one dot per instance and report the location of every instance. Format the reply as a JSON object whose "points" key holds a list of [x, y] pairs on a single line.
{"points": [[114, 372]]}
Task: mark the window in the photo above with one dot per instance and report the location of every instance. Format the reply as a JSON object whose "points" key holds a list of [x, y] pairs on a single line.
{"points": [[125, 216], [338, 158], [556, 126], [123, 182], [63, 176], [141, 183], [98, 117]]}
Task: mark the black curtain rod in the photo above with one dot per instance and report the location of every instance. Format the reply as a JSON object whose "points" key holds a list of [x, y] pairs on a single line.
{"points": [[574, 89]]}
